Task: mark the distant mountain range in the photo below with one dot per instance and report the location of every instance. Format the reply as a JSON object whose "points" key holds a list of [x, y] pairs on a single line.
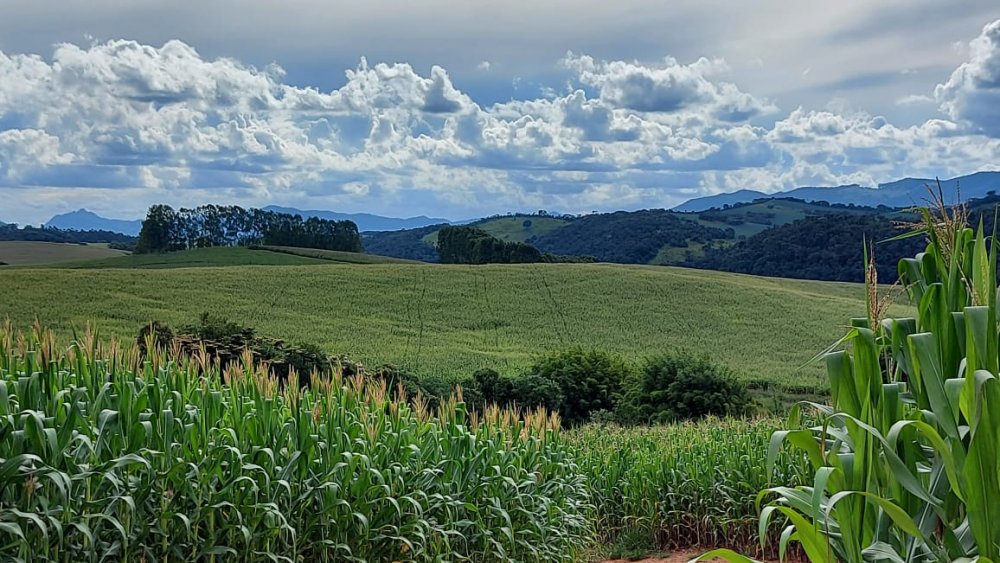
{"points": [[83, 220], [901, 193], [907, 192]]}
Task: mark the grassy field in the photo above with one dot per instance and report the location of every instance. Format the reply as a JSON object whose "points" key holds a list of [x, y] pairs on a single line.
{"points": [[452, 320], [20, 253], [197, 258], [339, 256]]}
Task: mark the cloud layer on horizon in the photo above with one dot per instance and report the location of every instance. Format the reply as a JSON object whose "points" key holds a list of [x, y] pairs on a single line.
{"points": [[115, 126]]}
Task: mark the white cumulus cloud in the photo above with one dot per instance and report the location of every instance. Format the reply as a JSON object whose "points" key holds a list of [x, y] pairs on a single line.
{"points": [[972, 93], [167, 124]]}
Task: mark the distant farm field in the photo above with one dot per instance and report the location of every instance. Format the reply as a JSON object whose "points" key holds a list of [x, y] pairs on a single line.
{"points": [[452, 320], [20, 253], [198, 258]]}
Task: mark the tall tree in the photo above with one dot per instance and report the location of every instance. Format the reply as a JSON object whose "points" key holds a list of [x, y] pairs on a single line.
{"points": [[156, 233]]}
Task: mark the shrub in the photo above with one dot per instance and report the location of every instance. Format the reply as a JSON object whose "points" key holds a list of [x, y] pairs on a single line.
{"points": [[307, 358], [589, 381], [678, 387], [218, 329], [489, 387], [534, 390], [157, 332]]}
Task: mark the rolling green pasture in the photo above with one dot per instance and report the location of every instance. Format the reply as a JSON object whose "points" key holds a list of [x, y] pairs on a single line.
{"points": [[19, 253], [452, 320], [199, 257], [511, 229], [339, 255]]}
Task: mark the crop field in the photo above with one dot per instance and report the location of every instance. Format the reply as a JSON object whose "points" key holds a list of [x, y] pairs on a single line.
{"points": [[197, 258], [113, 454], [104, 459], [339, 255], [674, 486], [19, 253], [452, 320]]}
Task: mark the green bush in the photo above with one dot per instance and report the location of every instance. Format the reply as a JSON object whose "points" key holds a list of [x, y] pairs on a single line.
{"points": [[156, 333], [589, 381], [679, 387], [489, 387], [533, 390], [218, 329]]}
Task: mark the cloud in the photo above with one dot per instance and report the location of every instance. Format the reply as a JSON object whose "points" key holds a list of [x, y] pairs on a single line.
{"points": [[484, 66], [167, 124], [667, 87], [972, 93], [914, 99]]}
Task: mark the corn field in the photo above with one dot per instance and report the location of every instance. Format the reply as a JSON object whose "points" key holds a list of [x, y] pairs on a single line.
{"points": [[906, 461], [104, 456], [680, 485]]}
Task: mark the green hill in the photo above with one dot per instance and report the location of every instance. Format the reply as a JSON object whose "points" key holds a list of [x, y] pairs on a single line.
{"points": [[199, 258], [827, 247], [656, 236], [339, 255], [452, 320], [20, 253], [748, 219]]}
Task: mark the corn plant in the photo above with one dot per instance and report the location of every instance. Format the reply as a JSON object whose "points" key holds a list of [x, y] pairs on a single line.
{"points": [[905, 461], [678, 485], [106, 456]]}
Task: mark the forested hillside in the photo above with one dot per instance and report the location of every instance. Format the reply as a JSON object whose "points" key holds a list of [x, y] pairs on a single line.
{"points": [[819, 248], [627, 237]]}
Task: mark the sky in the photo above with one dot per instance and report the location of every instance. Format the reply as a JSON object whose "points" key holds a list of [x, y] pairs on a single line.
{"points": [[462, 108]]}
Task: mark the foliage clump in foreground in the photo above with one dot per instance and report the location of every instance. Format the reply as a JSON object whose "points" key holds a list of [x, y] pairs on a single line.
{"points": [[682, 387], [907, 458], [106, 457]]}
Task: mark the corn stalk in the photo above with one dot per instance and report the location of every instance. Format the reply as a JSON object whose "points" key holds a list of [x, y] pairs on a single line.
{"points": [[906, 460]]}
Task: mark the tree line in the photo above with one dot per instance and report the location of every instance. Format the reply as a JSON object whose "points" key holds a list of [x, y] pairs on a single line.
{"points": [[166, 230]]}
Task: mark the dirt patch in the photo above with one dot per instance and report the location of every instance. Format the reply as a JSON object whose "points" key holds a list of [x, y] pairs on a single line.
{"points": [[678, 557], [675, 557]]}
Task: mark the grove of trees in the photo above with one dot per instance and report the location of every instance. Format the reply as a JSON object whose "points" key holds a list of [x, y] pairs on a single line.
{"points": [[165, 229]]}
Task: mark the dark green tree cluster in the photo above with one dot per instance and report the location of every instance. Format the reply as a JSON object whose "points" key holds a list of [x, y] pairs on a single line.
{"points": [[625, 237], [11, 232], [589, 385], [826, 247], [469, 245], [681, 387], [165, 229]]}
